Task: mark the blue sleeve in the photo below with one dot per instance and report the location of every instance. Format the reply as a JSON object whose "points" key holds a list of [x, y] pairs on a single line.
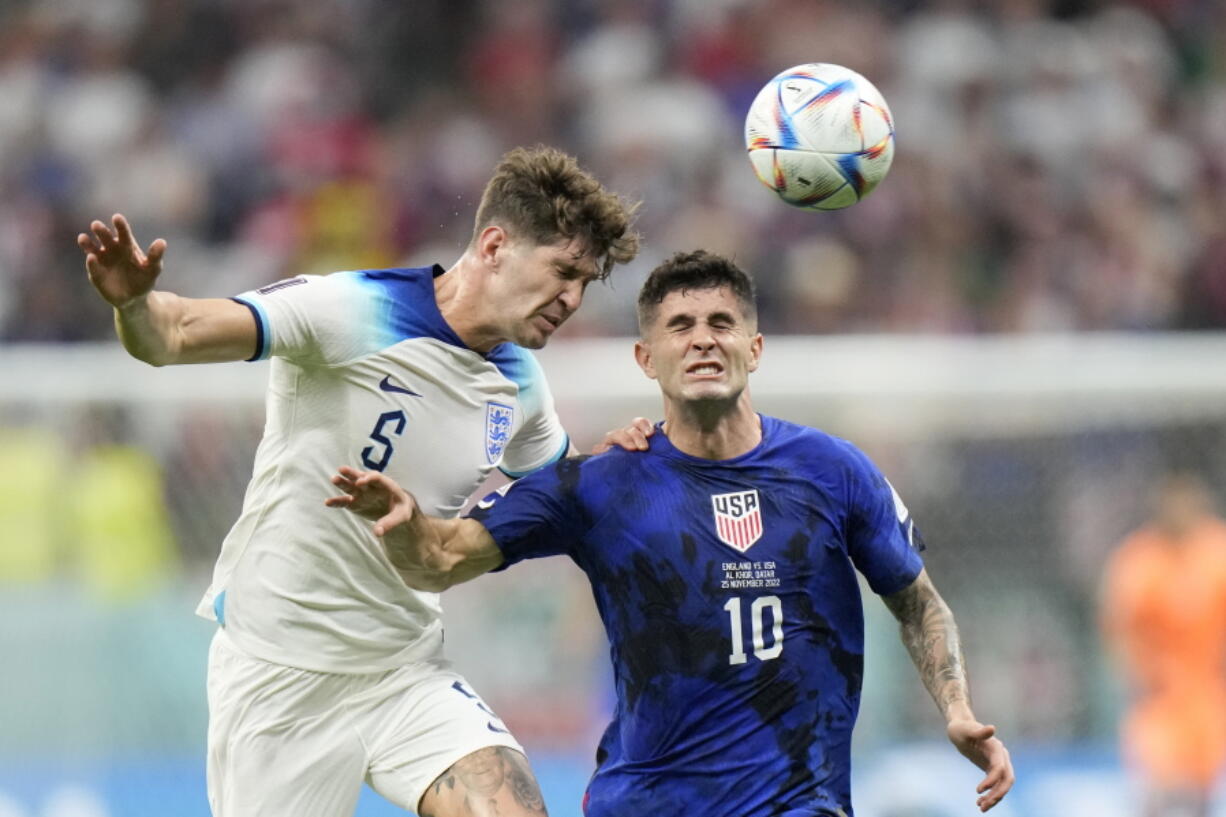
{"points": [[539, 515], [882, 540]]}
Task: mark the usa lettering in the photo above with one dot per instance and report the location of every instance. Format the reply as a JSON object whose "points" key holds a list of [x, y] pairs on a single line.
{"points": [[736, 505]]}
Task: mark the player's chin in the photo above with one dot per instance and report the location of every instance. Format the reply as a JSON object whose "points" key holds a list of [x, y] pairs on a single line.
{"points": [[708, 393], [532, 340], [534, 334]]}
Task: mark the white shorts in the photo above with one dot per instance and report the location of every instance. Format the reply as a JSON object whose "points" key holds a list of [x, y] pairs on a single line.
{"points": [[286, 741]]}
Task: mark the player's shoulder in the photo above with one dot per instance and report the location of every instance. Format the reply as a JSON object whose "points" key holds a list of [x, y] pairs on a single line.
{"points": [[808, 444], [392, 276], [406, 287], [392, 287], [517, 364], [569, 480], [393, 279], [592, 478], [404, 301], [603, 468]]}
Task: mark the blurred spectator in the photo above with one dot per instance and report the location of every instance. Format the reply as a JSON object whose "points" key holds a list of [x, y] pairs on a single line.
{"points": [[30, 463], [1058, 164], [1164, 613], [92, 507], [118, 541]]}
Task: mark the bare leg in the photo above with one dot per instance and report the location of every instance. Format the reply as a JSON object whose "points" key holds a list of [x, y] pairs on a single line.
{"points": [[491, 782]]}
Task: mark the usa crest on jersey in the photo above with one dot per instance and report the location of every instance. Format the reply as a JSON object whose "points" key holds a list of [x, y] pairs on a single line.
{"points": [[738, 518], [497, 429]]}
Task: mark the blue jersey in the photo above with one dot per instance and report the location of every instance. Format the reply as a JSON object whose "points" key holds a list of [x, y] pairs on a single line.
{"points": [[729, 595]]}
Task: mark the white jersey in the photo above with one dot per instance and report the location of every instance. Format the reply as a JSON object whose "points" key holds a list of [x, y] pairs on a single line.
{"points": [[366, 373]]}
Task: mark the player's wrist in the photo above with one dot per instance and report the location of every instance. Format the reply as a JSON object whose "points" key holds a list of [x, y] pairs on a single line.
{"points": [[133, 305], [959, 709]]}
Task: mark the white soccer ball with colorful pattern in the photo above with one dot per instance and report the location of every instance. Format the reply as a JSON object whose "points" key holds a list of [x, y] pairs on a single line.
{"points": [[820, 135]]}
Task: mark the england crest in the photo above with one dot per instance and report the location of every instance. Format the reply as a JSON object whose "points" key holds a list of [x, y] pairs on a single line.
{"points": [[738, 518], [497, 429]]}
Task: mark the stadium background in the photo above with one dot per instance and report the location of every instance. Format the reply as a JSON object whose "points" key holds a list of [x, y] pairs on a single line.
{"points": [[1004, 325]]}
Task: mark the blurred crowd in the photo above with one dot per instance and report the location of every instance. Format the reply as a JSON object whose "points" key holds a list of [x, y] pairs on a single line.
{"points": [[1060, 164]]}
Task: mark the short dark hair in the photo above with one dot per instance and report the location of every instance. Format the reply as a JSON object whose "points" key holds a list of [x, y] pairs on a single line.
{"points": [[543, 195], [698, 269]]}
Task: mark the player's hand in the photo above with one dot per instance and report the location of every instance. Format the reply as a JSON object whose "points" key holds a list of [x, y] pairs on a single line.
{"points": [[374, 496], [115, 263], [978, 744], [632, 438]]}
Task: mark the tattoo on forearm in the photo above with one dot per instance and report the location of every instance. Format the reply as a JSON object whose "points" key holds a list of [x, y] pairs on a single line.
{"points": [[931, 637]]}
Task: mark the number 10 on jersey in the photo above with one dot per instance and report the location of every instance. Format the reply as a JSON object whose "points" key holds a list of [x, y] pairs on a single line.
{"points": [[757, 614]]}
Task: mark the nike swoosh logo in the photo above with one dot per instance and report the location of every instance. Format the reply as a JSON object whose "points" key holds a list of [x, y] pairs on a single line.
{"points": [[493, 728], [386, 384]]}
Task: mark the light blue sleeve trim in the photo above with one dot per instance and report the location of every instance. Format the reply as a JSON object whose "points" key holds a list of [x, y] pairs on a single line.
{"points": [[523, 369], [263, 330], [219, 608], [556, 457]]}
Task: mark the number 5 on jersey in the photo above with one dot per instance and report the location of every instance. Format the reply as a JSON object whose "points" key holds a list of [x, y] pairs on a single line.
{"points": [[396, 420], [756, 615]]}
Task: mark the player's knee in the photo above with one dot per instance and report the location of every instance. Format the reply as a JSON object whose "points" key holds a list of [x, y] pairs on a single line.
{"points": [[496, 780]]}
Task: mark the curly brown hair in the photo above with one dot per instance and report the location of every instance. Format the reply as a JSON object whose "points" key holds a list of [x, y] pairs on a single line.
{"points": [[543, 195]]}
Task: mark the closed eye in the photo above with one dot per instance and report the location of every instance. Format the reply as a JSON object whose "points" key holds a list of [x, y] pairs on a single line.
{"points": [[570, 273], [679, 323]]}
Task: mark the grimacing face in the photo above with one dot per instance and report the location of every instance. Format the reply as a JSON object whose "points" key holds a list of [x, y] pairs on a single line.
{"points": [[542, 286], [700, 346]]}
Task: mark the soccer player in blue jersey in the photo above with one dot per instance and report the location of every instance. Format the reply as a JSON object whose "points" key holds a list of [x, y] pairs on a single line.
{"points": [[327, 669], [723, 563]]}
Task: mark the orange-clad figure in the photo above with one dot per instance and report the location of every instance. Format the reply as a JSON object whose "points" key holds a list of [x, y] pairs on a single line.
{"points": [[1164, 615]]}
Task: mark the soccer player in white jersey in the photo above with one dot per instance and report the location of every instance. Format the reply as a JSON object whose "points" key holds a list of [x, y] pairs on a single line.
{"points": [[327, 670]]}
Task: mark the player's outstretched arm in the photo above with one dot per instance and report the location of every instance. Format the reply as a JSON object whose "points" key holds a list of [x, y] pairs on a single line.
{"points": [[931, 637], [429, 553], [160, 327]]}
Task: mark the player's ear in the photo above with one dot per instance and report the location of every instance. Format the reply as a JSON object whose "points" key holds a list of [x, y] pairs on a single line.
{"points": [[491, 244], [642, 356], [755, 352]]}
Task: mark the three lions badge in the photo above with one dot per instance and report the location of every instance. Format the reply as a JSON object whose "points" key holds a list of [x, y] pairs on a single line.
{"points": [[497, 429]]}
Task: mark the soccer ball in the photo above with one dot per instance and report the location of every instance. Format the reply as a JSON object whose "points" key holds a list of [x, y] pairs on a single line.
{"points": [[820, 135]]}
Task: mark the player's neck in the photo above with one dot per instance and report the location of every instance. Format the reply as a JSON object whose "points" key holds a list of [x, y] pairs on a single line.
{"points": [[462, 306], [713, 432]]}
